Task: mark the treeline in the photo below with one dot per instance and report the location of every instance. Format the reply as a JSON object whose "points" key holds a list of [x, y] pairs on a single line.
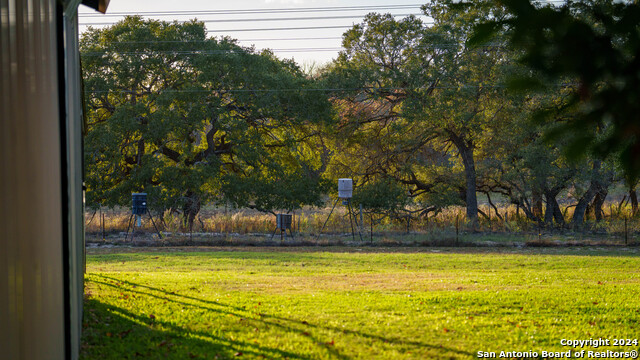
{"points": [[421, 115]]}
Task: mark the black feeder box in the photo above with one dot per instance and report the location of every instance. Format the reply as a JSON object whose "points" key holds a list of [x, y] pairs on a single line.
{"points": [[139, 203], [283, 223], [139, 208]]}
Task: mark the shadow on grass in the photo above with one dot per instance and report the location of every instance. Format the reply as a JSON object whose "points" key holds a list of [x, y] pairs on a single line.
{"points": [[186, 342], [111, 332]]}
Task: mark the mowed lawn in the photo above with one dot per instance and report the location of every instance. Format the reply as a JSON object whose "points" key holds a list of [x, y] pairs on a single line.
{"points": [[344, 303]]}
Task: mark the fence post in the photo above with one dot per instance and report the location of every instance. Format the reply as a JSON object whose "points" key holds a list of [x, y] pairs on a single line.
{"points": [[371, 224], [539, 230]]}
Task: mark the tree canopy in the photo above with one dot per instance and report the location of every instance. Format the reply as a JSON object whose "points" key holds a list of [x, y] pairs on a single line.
{"points": [[191, 119], [429, 103], [593, 46], [422, 116]]}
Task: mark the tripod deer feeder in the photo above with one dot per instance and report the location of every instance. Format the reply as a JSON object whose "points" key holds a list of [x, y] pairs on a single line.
{"points": [[345, 193], [283, 223], [139, 208]]}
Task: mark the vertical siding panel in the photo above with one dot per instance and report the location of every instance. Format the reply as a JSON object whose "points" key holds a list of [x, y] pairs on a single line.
{"points": [[74, 156], [8, 303], [31, 289]]}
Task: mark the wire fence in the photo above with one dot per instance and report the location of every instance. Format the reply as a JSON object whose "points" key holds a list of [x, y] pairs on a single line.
{"points": [[450, 226]]}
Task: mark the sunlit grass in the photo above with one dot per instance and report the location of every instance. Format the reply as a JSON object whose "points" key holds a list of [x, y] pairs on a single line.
{"points": [[324, 305]]}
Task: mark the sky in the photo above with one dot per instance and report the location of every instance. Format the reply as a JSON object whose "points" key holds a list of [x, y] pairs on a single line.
{"points": [[252, 21]]}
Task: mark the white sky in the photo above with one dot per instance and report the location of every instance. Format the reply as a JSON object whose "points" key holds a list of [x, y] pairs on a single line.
{"points": [[285, 43]]}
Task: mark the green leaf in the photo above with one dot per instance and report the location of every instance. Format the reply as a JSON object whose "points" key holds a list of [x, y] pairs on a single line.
{"points": [[522, 84], [483, 32]]}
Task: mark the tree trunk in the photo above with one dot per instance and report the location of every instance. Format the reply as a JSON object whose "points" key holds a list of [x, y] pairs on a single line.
{"points": [[578, 213], [523, 203], [633, 197], [594, 187], [526, 208], [536, 203], [190, 209], [552, 212], [140, 153], [598, 201], [557, 214], [549, 199], [493, 206], [466, 153], [588, 210]]}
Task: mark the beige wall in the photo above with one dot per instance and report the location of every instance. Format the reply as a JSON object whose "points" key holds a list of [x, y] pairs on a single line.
{"points": [[32, 314]]}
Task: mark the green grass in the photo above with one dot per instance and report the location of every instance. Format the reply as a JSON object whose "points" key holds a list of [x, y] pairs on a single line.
{"points": [[346, 303]]}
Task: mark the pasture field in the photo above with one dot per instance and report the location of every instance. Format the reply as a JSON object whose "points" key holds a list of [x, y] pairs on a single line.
{"points": [[355, 303]]}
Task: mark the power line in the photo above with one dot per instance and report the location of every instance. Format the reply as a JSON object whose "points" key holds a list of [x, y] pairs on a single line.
{"points": [[236, 90], [285, 29], [242, 51], [238, 40], [209, 40], [293, 39], [461, 86], [273, 10], [262, 19], [269, 90], [258, 11], [201, 52]]}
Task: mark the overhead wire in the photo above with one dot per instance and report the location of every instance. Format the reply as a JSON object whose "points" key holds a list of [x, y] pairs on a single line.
{"points": [[302, 90], [293, 39], [201, 52], [284, 29], [203, 41], [281, 90], [273, 10], [328, 9], [460, 86], [270, 11], [208, 40], [264, 19], [327, 13], [258, 11], [242, 50]]}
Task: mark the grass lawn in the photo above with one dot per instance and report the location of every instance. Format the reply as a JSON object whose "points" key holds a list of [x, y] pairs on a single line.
{"points": [[343, 303]]}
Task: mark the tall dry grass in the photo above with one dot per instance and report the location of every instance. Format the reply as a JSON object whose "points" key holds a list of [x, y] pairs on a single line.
{"points": [[309, 221]]}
